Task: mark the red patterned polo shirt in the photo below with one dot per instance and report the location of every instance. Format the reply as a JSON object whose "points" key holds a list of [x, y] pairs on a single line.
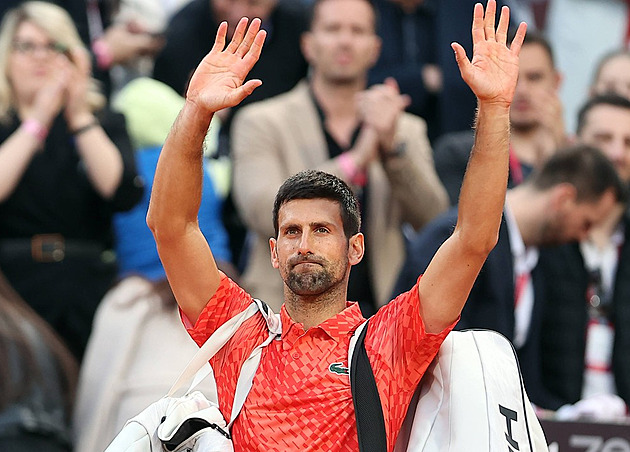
{"points": [[300, 398]]}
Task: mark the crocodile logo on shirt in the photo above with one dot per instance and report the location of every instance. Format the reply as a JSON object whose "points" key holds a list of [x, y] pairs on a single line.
{"points": [[339, 369]]}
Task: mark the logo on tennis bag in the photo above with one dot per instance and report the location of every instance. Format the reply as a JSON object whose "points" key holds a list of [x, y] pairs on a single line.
{"points": [[472, 398]]}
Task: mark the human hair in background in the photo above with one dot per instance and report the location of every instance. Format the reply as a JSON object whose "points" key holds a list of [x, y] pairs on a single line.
{"points": [[584, 167], [312, 11], [610, 99], [38, 374]]}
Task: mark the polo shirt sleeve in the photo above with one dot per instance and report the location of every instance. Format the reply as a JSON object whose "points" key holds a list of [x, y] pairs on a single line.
{"points": [[400, 351], [229, 300]]}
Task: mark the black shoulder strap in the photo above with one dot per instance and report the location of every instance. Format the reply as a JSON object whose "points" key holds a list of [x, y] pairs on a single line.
{"points": [[367, 403]]}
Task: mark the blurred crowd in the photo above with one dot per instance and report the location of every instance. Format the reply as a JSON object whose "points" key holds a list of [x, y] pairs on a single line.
{"points": [[90, 332]]}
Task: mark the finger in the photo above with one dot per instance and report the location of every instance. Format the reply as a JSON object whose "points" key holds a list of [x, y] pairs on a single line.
{"points": [[405, 100], [219, 41], [392, 83], [462, 60], [478, 34], [502, 29], [489, 19], [517, 42], [252, 31], [81, 60], [254, 51], [62, 65], [238, 35]]}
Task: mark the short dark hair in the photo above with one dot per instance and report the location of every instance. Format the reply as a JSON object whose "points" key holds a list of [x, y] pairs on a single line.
{"points": [[313, 184], [586, 168], [312, 9], [611, 99]]}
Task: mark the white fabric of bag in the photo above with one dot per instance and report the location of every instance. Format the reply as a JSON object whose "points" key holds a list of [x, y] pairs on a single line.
{"points": [[159, 422], [353, 342], [472, 398]]}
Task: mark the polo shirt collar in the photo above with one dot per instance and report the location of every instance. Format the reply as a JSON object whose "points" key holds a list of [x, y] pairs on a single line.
{"points": [[336, 327]]}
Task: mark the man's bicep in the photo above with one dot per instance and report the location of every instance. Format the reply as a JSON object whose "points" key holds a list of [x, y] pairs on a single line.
{"points": [[446, 283], [191, 271]]}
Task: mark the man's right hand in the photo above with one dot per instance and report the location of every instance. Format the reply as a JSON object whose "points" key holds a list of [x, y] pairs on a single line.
{"points": [[218, 80]]}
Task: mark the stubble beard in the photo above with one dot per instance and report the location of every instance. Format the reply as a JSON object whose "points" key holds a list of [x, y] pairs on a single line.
{"points": [[313, 283]]}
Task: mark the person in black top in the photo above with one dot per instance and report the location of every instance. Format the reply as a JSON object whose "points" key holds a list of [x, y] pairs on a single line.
{"points": [[66, 165], [191, 31]]}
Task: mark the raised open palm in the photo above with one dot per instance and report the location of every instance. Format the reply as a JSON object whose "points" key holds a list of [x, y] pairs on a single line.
{"points": [[218, 81], [493, 71]]}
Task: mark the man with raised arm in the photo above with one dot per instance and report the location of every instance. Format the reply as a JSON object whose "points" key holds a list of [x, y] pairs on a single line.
{"points": [[301, 397]]}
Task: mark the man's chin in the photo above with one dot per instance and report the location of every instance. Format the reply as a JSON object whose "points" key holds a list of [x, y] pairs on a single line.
{"points": [[307, 284]]}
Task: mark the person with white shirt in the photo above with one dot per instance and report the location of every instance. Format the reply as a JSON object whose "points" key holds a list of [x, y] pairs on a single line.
{"points": [[585, 341], [559, 203]]}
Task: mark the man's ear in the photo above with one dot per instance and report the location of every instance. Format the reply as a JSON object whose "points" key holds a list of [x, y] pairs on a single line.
{"points": [[305, 46], [376, 50], [274, 253], [356, 248], [563, 195], [558, 79]]}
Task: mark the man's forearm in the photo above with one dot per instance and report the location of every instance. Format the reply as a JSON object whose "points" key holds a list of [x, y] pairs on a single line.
{"points": [[483, 191], [176, 193]]}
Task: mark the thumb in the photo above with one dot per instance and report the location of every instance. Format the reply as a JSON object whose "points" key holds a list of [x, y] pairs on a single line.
{"points": [[392, 83], [246, 89], [462, 60]]}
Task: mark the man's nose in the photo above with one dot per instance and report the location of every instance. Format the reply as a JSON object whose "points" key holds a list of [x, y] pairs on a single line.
{"points": [[304, 247]]}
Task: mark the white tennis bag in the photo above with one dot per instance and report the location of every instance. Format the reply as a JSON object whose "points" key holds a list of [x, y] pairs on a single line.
{"points": [[472, 399], [193, 422]]}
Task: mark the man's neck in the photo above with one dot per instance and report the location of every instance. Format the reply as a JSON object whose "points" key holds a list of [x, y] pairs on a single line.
{"points": [[338, 103], [526, 209], [313, 310], [337, 100]]}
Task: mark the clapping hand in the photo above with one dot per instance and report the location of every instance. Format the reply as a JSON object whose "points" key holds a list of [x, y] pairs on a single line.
{"points": [[493, 71], [218, 81], [380, 107]]}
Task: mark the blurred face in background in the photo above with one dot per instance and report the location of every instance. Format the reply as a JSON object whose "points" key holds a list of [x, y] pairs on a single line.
{"points": [[342, 43], [614, 77], [570, 219], [537, 80], [233, 10], [31, 60], [607, 127]]}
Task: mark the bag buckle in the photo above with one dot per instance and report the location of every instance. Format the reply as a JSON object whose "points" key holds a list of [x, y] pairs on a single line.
{"points": [[48, 248]]}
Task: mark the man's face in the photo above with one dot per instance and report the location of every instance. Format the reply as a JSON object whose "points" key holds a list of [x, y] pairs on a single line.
{"points": [[232, 11], [614, 77], [571, 220], [311, 250], [607, 127], [342, 43], [537, 80]]}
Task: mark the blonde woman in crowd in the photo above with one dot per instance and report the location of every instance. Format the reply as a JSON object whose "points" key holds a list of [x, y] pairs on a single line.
{"points": [[66, 166]]}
